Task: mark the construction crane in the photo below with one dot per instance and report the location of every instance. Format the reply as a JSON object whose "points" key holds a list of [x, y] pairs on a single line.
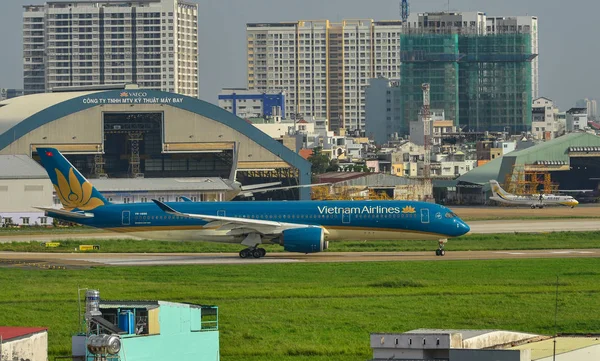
{"points": [[404, 10], [426, 116]]}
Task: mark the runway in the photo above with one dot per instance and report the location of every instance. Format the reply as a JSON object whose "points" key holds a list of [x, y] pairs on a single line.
{"points": [[164, 259], [477, 227]]}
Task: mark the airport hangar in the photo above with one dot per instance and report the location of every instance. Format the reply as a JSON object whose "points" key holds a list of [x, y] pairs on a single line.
{"points": [[570, 162], [137, 144]]}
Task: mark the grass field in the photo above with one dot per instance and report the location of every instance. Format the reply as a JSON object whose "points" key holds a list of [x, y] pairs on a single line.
{"points": [[323, 312], [476, 242]]}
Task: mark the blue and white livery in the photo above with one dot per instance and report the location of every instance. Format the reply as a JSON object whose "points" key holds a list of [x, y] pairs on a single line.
{"points": [[299, 226]]}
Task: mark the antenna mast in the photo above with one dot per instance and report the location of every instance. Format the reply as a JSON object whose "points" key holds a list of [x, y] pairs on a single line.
{"points": [[426, 117]]}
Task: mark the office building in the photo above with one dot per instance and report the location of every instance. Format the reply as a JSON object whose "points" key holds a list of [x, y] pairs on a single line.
{"points": [[382, 106], [249, 103], [152, 43], [324, 67], [479, 67]]}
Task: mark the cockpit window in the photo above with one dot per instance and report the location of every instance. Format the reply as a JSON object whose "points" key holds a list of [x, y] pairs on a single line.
{"points": [[451, 215]]}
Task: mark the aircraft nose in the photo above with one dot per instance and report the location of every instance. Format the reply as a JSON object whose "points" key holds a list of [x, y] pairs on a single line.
{"points": [[462, 228]]}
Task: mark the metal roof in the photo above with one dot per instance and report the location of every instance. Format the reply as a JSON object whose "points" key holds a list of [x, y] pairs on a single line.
{"points": [[466, 334], [20, 167], [544, 349], [160, 184], [8, 333]]}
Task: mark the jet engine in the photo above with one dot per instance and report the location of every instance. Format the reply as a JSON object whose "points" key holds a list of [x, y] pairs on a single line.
{"points": [[304, 240]]}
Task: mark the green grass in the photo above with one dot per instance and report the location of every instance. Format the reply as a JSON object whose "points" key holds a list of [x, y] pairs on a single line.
{"points": [[476, 242], [315, 311]]}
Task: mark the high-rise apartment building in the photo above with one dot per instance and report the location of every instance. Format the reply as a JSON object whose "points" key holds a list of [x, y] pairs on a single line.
{"points": [[153, 43], [324, 67]]}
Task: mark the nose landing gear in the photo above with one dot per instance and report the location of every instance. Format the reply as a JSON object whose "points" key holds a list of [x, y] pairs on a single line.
{"points": [[441, 251]]}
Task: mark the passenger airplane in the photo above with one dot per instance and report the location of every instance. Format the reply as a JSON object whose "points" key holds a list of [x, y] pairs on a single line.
{"points": [[299, 226], [533, 200]]}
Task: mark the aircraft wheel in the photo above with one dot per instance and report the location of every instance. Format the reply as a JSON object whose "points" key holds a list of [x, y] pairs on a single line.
{"points": [[244, 253], [257, 253], [263, 252], [437, 252], [533, 207], [442, 252]]}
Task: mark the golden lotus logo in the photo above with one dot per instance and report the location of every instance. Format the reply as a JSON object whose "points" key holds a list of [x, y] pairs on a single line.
{"points": [[73, 194], [123, 94], [408, 209]]}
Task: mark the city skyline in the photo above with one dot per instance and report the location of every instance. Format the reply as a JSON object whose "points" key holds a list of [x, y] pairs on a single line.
{"points": [[564, 75]]}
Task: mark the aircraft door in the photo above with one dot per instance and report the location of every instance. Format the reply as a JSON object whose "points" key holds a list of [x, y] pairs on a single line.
{"points": [[221, 213], [346, 218], [126, 218], [424, 215]]}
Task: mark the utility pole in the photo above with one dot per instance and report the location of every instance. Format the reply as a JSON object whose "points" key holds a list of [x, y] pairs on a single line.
{"points": [[555, 321]]}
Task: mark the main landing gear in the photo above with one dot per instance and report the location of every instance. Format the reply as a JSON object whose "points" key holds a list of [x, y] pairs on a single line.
{"points": [[441, 251], [253, 252]]}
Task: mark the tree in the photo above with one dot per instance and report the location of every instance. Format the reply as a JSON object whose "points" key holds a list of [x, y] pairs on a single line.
{"points": [[319, 161]]}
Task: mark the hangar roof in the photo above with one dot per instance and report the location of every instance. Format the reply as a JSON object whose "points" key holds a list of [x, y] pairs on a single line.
{"points": [[20, 167], [19, 116], [15, 110], [160, 184], [554, 150]]}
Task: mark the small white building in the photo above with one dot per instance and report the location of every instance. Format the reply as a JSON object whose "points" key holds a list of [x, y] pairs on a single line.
{"points": [[545, 124], [23, 185], [23, 343], [577, 119]]}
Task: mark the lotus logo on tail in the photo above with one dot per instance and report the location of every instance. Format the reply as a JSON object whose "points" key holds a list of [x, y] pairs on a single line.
{"points": [[73, 194], [408, 209]]}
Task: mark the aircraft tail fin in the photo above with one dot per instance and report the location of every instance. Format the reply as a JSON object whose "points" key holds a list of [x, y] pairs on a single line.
{"points": [[73, 190], [234, 165], [497, 189]]}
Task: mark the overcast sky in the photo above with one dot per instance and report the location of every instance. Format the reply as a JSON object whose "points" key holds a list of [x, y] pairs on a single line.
{"points": [[568, 37]]}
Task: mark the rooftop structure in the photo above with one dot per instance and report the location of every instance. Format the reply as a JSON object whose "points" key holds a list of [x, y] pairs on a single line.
{"points": [[145, 330], [481, 345], [250, 103]]}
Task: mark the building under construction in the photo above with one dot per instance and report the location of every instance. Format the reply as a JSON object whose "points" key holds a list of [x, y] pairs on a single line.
{"points": [[482, 81]]}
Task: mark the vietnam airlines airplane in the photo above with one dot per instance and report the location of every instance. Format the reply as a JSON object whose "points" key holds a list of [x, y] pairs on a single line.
{"points": [[532, 200], [299, 226]]}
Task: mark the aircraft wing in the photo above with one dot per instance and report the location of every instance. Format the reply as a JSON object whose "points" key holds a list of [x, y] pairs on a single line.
{"points": [[236, 224], [64, 212], [288, 187]]}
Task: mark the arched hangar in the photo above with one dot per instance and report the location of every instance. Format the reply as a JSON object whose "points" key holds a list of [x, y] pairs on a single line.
{"points": [[134, 133]]}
